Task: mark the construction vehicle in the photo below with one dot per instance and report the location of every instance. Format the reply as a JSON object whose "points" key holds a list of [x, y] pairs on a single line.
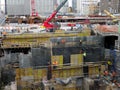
{"points": [[46, 23]]}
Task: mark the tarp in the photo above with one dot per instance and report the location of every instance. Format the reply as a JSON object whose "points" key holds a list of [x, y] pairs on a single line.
{"points": [[107, 28]]}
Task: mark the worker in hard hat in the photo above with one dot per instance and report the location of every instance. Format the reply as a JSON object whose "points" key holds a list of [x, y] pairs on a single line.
{"points": [[55, 64], [109, 62], [84, 55], [107, 75]]}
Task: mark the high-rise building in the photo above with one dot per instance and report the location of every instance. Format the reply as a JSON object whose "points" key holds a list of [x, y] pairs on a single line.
{"points": [[74, 6], [44, 7], [86, 7], [18, 7], [2, 5], [110, 5]]}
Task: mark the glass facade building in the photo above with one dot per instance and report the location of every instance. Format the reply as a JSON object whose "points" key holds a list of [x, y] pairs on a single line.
{"points": [[44, 7], [18, 7], [85, 7]]}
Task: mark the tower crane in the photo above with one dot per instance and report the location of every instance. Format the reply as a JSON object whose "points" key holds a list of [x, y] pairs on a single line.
{"points": [[34, 13]]}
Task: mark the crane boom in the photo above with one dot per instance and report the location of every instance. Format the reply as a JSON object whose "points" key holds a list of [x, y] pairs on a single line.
{"points": [[112, 16], [46, 22], [109, 14]]}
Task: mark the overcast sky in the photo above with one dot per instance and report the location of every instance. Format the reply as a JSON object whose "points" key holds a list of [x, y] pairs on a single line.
{"points": [[2, 1]]}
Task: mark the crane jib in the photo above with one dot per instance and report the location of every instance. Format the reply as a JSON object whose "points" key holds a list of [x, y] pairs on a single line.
{"points": [[61, 5]]}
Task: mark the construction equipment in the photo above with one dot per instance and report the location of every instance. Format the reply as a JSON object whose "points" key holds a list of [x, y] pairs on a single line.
{"points": [[46, 23], [112, 16], [34, 13]]}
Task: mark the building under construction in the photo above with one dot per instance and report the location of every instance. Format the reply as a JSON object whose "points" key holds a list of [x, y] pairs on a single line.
{"points": [[84, 58]]}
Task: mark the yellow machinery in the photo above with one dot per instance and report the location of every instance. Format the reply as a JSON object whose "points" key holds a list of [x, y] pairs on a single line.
{"points": [[112, 16]]}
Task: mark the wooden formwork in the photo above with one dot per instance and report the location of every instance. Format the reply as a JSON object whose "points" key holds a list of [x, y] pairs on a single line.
{"points": [[30, 40]]}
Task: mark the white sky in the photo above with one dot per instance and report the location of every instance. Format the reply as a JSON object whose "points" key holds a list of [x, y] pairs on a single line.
{"points": [[2, 1], [70, 3]]}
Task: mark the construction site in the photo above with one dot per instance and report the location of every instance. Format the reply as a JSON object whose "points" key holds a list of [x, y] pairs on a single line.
{"points": [[60, 52]]}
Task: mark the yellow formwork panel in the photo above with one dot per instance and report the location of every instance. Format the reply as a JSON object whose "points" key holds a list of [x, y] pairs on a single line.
{"points": [[97, 69], [76, 59], [26, 40], [28, 71], [41, 73], [61, 73], [19, 72], [35, 75], [72, 72], [65, 73], [80, 71], [23, 42], [76, 71], [59, 59], [80, 59], [56, 73], [68, 73], [93, 69], [103, 68], [44, 72], [18, 75], [22, 72], [69, 88], [84, 33]]}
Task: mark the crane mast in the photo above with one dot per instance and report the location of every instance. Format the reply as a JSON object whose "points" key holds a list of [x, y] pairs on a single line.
{"points": [[34, 13]]}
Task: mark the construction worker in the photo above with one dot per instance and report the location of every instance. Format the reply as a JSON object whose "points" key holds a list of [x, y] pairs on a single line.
{"points": [[84, 55], [4, 34], [107, 75], [80, 42], [49, 71], [55, 64], [42, 87], [109, 62]]}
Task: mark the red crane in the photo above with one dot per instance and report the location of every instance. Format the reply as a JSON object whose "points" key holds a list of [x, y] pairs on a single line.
{"points": [[34, 13], [46, 23]]}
